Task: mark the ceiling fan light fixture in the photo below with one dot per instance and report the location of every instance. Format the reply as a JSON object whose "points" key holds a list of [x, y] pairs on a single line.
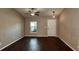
{"points": [[32, 14], [54, 16]]}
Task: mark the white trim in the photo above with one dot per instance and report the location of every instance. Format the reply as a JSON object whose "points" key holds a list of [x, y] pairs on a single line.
{"points": [[67, 44], [36, 35], [10, 43], [39, 36]]}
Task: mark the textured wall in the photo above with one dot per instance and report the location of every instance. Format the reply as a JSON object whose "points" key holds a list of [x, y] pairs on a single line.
{"points": [[42, 26], [69, 27], [11, 26]]}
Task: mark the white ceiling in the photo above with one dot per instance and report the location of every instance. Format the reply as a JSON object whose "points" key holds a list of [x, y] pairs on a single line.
{"points": [[43, 11]]}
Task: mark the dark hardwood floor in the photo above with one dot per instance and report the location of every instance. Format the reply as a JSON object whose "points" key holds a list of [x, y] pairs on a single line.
{"points": [[38, 44]]}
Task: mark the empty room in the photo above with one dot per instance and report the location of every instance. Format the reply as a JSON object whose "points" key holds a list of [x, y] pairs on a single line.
{"points": [[39, 29]]}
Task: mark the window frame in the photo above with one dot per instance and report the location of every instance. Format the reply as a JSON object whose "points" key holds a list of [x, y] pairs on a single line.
{"points": [[30, 27]]}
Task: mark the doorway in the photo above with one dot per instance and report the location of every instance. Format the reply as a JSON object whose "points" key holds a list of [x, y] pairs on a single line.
{"points": [[51, 27]]}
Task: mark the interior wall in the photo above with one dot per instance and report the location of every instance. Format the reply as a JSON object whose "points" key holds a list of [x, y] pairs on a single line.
{"points": [[41, 26], [11, 26], [68, 27]]}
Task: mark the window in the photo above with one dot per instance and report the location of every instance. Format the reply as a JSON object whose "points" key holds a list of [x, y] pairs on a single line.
{"points": [[33, 26]]}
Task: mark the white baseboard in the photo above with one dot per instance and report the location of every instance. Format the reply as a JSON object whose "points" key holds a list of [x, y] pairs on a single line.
{"points": [[36, 35], [10, 43], [67, 44]]}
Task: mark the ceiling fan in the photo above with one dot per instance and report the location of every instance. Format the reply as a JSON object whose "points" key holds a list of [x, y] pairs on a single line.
{"points": [[54, 14], [33, 11]]}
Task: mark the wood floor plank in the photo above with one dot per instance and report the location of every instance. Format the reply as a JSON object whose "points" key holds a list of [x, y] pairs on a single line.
{"points": [[38, 44]]}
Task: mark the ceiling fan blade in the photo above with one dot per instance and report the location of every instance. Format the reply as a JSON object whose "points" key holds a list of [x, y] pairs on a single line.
{"points": [[37, 14], [32, 8], [29, 11]]}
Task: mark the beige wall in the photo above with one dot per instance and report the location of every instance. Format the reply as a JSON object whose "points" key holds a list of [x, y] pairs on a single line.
{"points": [[11, 26], [69, 27], [42, 25]]}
